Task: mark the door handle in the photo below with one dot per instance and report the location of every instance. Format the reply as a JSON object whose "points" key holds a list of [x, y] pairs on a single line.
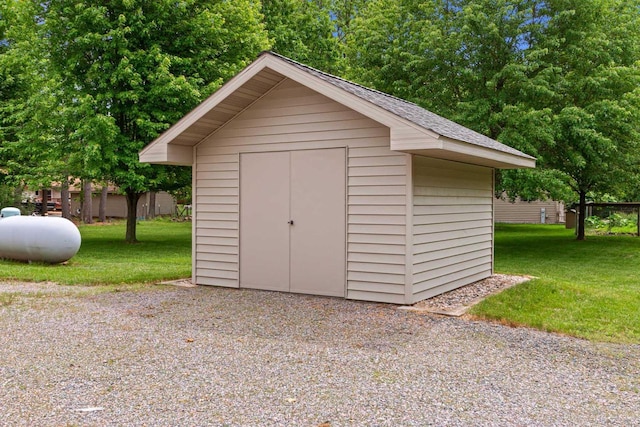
{"points": [[290, 222]]}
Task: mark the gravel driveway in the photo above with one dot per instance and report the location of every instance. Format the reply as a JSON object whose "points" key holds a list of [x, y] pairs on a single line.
{"points": [[171, 356]]}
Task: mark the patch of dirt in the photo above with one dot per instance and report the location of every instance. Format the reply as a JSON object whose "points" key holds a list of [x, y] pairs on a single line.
{"points": [[184, 283]]}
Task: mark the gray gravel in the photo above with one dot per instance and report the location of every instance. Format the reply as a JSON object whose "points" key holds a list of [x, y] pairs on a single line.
{"points": [[458, 301], [171, 356]]}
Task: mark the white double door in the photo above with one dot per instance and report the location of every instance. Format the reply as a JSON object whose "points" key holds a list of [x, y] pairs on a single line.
{"points": [[293, 221]]}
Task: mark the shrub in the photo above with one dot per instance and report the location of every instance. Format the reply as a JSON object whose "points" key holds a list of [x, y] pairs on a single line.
{"points": [[595, 222]]}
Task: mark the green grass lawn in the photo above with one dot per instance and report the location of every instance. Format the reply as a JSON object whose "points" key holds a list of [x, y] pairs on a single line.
{"points": [[588, 289], [164, 253]]}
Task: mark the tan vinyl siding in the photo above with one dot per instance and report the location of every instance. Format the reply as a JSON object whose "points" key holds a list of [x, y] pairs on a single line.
{"points": [[293, 117], [452, 225], [216, 225], [376, 239]]}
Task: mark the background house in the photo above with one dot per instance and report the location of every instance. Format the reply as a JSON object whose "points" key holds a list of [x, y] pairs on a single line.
{"points": [[116, 207], [165, 204], [535, 212]]}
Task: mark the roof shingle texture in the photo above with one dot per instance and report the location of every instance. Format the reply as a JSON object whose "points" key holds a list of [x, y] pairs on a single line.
{"points": [[408, 110]]}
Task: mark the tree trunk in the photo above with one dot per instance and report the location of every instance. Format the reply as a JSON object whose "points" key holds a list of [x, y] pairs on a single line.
{"points": [[102, 211], [87, 208], [45, 198], [152, 204], [582, 213], [132, 207], [64, 199], [17, 197]]}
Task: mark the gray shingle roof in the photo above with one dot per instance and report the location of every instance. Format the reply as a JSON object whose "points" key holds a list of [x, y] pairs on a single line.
{"points": [[408, 110]]}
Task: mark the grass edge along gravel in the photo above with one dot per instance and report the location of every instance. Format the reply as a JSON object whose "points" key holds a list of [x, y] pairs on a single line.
{"points": [[586, 289]]}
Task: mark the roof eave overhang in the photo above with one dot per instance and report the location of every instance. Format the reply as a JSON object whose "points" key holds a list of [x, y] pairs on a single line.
{"points": [[163, 150], [167, 154], [459, 151]]}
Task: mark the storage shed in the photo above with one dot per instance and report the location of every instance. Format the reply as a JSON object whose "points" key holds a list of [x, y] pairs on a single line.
{"points": [[305, 182]]}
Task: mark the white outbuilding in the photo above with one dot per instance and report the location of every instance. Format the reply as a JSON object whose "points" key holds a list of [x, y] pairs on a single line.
{"points": [[305, 182]]}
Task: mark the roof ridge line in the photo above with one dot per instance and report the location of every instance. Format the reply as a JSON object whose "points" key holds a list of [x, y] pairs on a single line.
{"points": [[342, 79]]}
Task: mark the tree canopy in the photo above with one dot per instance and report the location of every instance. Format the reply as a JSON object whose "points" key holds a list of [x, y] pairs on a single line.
{"points": [[557, 79], [85, 85], [589, 59], [27, 109], [123, 71], [303, 31]]}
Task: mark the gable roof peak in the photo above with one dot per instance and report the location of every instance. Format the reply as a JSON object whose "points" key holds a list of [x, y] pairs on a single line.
{"points": [[407, 110], [333, 76]]}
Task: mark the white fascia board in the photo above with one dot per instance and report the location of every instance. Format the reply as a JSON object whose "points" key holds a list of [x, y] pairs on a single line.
{"points": [[507, 160], [153, 154], [468, 153]]}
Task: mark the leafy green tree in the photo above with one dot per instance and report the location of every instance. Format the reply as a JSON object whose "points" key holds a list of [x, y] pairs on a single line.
{"points": [[342, 13], [24, 98], [589, 58], [5, 191], [131, 68], [555, 78], [44, 129], [303, 31]]}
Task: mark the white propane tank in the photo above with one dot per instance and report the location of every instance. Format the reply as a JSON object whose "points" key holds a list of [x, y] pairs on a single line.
{"points": [[10, 211], [38, 238]]}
